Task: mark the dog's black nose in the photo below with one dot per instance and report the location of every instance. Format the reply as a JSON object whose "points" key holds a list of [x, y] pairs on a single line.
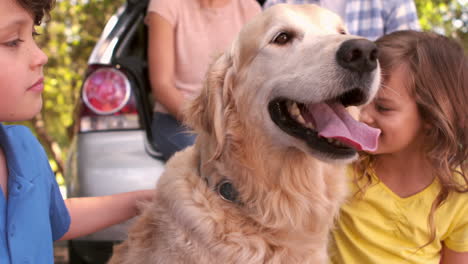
{"points": [[358, 55]]}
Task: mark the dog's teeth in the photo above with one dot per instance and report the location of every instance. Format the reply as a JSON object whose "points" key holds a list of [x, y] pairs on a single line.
{"points": [[293, 109], [334, 142], [295, 113], [300, 119]]}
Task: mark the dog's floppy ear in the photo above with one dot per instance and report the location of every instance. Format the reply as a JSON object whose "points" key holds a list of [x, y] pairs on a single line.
{"points": [[208, 111]]}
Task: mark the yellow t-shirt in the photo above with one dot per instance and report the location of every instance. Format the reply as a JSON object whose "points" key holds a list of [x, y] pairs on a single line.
{"points": [[383, 228]]}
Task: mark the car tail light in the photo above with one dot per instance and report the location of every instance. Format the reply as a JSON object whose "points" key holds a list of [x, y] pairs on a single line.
{"points": [[106, 91], [108, 102]]}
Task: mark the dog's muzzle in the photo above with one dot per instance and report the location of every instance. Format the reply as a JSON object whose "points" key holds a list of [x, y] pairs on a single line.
{"points": [[357, 55]]}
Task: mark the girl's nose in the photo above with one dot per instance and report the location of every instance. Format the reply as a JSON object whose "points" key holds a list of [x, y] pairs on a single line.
{"points": [[365, 115]]}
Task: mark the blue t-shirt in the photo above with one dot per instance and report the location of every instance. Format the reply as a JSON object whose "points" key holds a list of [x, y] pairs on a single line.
{"points": [[34, 215]]}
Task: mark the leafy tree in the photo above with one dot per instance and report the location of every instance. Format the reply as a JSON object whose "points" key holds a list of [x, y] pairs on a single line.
{"points": [[68, 39], [76, 25], [445, 17]]}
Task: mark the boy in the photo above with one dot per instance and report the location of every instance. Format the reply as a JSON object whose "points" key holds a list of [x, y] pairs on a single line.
{"points": [[32, 211]]}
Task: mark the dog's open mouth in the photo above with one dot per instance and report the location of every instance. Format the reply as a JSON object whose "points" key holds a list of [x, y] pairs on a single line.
{"points": [[326, 127]]}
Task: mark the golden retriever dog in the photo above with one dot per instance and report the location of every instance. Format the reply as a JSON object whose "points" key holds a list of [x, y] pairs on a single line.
{"points": [[265, 178]]}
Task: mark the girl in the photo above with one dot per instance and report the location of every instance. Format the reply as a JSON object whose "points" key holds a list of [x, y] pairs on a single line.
{"points": [[32, 211], [411, 201]]}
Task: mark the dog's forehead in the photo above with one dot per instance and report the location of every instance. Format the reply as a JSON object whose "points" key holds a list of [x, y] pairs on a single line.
{"points": [[306, 17]]}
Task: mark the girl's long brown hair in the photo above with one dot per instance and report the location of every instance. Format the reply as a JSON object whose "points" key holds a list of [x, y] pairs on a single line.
{"points": [[438, 80]]}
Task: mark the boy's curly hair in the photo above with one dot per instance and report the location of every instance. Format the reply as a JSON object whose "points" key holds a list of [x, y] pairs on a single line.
{"points": [[37, 8]]}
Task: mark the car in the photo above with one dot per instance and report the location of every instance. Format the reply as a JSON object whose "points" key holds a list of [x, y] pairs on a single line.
{"points": [[112, 150]]}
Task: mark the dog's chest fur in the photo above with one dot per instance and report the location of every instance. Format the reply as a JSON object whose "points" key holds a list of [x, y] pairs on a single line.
{"points": [[189, 223]]}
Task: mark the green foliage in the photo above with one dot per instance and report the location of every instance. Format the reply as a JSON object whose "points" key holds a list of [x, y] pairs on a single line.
{"points": [[448, 17], [68, 39]]}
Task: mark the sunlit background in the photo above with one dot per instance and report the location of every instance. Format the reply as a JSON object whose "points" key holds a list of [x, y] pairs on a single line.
{"points": [[75, 25]]}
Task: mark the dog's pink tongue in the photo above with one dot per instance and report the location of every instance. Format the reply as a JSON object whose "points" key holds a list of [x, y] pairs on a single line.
{"points": [[333, 121]]}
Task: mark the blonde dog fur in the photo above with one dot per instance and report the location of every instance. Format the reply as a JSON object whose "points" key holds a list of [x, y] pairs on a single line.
{"points": [[289, 193]]}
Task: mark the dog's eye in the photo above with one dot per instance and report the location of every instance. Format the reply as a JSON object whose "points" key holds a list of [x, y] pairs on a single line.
{"points": [[282, 38]]}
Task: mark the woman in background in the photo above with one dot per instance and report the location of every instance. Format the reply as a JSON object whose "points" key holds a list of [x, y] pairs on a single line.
{"points": [[184, 37]]}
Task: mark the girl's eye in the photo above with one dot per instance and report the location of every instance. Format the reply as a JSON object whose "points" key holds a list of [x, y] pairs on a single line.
{"points": [[13, 43], [381, 108]]}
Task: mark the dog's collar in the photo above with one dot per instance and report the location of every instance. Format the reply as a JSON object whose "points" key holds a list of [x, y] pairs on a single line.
{"points": [[223, 188]]}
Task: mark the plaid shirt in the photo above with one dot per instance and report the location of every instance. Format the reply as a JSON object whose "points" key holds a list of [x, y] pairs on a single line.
{"points": [[371, 18]]}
